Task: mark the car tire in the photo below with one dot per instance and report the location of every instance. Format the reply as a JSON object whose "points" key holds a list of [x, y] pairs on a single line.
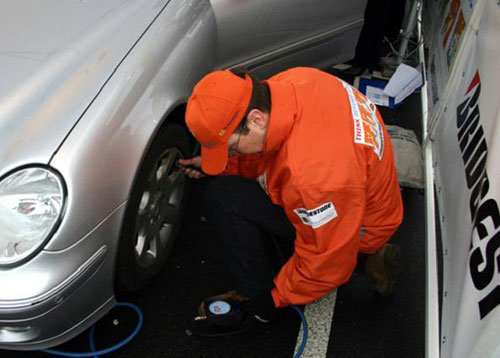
{"points": [[154, 212]]}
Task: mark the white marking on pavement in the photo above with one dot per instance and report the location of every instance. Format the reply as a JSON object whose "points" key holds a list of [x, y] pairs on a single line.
{"points": [[319, 315]]}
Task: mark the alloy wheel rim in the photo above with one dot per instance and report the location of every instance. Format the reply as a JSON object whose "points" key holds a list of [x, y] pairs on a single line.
{"points": [[159, 209]]}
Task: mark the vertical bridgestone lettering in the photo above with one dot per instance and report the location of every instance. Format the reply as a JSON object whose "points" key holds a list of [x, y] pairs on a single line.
{"points": [[478, 192], [484, 262], [461, 115], [477, 165]]}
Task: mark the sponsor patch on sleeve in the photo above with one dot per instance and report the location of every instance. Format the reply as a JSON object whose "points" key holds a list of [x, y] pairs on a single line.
{"points": [[367, 128], [318, 216]]}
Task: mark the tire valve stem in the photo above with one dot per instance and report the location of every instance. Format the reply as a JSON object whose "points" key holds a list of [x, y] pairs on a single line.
{"points": [[115, 322]]}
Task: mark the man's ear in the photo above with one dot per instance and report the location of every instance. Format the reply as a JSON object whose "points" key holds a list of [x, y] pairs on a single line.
{"points": [[258, 117]]}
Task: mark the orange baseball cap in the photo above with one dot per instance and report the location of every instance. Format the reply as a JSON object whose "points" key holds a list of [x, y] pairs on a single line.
{"points": [[216, 107]]}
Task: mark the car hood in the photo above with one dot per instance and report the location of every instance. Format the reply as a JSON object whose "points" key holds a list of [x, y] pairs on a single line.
{"points": [[55, 56]]}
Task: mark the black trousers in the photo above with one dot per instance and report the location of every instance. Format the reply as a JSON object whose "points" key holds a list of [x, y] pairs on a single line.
{"points": [[255, 236], [382, 18]]}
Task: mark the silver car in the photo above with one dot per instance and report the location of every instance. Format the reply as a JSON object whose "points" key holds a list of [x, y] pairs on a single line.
{"points": [[92, 99]]}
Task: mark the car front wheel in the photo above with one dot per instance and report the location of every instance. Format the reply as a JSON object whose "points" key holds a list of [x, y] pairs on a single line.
{"points": [[154, 211]]}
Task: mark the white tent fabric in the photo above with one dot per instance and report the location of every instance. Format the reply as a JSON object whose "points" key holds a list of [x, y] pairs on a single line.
{"points": [[463, 74]]}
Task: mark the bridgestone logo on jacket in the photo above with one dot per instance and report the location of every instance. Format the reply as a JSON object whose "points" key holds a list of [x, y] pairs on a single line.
{"points": [[317, 216]]}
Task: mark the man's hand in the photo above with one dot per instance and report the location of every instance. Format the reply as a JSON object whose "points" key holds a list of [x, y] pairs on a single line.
{"points": [[191, 167]]}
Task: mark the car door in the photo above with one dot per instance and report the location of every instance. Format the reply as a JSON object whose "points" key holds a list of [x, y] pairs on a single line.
{"points": [[250, 32]]}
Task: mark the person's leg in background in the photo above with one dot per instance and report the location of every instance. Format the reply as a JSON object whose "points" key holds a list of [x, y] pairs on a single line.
{"points": [[395, 16], [382, 18], [371, 36]]}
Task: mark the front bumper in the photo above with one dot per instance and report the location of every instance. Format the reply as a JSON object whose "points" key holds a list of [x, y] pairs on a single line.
{"points": [[58, 294]]}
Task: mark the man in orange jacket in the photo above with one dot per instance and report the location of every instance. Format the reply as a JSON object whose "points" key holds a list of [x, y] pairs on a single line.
{"points": [[305, 159]]}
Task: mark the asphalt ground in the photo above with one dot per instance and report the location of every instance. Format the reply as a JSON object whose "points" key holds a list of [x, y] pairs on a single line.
{"points": [[355, 322]]}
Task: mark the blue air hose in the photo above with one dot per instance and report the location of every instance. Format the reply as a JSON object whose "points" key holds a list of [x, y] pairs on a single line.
{"points": [[93, 352], [305, 332]]}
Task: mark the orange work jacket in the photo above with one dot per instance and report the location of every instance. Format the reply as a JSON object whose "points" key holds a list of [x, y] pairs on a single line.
{"points": [[328, 161]]}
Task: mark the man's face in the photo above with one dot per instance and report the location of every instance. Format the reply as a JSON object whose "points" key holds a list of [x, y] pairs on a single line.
{"points": [[253, 141]]}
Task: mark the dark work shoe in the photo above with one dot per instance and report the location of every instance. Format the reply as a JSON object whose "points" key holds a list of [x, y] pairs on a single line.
{"points": [[354, 71], [224, 315], [382, 269], [351, 68]]}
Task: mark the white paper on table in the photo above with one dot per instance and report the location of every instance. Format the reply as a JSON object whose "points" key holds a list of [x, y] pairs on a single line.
{"points": [[403, 82], [408, 90], [377, 96]]}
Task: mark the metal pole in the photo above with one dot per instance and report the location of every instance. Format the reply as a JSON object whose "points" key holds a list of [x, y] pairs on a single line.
{"points": [[431, 272], [410, 26]]}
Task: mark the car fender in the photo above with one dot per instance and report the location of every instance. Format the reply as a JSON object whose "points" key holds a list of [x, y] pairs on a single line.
{"points": [[99, 159]]}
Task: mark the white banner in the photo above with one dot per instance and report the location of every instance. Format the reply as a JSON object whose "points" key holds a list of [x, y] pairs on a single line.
{"points": [[467, 151], [445, 24]]}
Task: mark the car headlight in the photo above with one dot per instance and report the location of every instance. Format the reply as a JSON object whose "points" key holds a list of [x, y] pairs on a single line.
{"points": [[31, 205]]}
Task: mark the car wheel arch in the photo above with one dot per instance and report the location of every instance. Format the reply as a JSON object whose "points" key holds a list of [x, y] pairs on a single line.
{"points": [[172, 122]]}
